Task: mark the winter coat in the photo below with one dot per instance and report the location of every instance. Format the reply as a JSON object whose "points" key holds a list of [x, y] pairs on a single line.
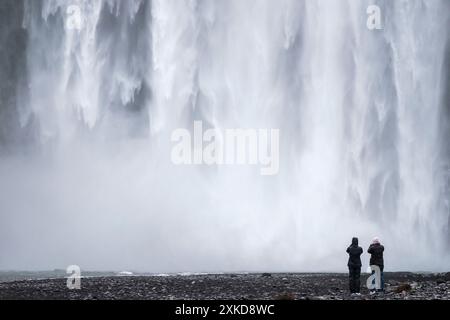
{"points": [[376, 250], [354, 252]]}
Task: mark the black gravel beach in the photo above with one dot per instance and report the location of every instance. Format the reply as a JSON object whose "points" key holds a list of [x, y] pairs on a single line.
{"points": [[277, 286]]}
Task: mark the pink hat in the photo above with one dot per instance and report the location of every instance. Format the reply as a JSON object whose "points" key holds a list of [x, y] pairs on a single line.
{"points": [[375, 240]]}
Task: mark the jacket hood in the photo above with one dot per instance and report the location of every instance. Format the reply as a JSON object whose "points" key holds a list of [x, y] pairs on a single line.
{"points": [[355, 241]]}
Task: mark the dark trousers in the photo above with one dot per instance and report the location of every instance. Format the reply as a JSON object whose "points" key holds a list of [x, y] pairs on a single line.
{"points": [[355, 279]]}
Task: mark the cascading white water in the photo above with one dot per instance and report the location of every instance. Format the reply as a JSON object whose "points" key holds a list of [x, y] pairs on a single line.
{"points": [[362, 119]]}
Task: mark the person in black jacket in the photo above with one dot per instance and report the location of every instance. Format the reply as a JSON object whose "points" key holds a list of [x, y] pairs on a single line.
{"points": [[354, 266], [376, 250]]}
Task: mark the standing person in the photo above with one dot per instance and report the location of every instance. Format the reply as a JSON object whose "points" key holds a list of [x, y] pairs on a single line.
{"points": [[354, 266], [376, 250]]}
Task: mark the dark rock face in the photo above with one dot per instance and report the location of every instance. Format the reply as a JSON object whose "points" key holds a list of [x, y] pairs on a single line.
{"points": [[234, 287], [13, 40]]}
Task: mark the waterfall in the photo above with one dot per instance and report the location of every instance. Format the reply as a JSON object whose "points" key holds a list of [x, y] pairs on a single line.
{"points": [[363, 119]]}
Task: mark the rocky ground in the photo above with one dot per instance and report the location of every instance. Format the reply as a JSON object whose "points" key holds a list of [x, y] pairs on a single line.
{"points": [[399, 286]]}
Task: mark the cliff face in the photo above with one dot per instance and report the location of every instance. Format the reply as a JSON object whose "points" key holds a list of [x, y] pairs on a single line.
{"points": [[13, 40]]}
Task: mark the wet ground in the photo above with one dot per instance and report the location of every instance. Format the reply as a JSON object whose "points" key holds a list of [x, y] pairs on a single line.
{"points": [[230, 286]]}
